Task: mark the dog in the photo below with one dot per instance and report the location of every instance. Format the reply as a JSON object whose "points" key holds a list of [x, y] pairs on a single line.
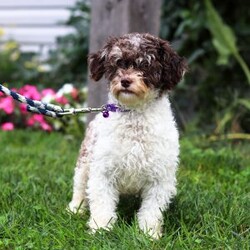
{"points": [[133, 152]]}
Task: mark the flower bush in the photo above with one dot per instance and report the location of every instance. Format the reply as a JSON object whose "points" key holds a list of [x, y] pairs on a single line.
{"points": [[13, 115]]}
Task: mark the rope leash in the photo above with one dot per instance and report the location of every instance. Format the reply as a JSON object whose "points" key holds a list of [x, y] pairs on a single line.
{"points": [[56, 111]]}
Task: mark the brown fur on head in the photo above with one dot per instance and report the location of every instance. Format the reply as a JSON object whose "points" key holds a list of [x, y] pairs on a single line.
{"points": [[135, 64]]}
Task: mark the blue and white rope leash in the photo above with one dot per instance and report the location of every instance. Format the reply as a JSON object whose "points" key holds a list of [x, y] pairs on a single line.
{"points": [[55, 111]]}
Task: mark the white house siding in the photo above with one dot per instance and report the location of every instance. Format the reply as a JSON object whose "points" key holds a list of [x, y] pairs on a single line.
{"points": [[35, 24]]}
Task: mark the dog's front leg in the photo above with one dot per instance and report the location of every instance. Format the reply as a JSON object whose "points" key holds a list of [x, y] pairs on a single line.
{"points": [[155, 200], [78, 202], [103, 199]]}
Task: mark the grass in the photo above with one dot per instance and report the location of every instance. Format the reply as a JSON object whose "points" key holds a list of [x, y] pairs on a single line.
{"points": [[211, 210]]}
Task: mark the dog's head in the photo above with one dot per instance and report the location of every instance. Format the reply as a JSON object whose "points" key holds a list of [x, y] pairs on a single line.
{"points": [[138, 66]]}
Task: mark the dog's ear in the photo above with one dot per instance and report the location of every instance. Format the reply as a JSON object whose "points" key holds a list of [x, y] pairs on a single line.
{"points": [[96, 65], [173, 66]]}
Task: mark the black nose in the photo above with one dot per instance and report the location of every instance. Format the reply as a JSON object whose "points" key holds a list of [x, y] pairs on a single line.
{"points": [[125, 82]]}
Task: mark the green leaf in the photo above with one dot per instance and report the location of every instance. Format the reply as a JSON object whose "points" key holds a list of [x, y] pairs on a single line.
{"points": [[245, 103], [220, 31], [223, 39], [224, 53], [223, 121], [3, 220]]}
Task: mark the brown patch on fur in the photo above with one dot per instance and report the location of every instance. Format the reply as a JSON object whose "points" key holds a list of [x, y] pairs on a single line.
{"points": [[96, 66], [86, 146]]}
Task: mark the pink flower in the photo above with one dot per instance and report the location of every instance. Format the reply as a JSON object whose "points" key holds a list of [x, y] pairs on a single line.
{"points": [[7, 126], [30, 92], [74, 93], [47, 92], [7, 104], [38, 120], [62, 100], [34, 119], [23, 108], [46, 127]]}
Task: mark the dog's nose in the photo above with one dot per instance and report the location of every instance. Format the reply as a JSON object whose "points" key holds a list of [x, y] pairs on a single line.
{"points": [[125, 82]]}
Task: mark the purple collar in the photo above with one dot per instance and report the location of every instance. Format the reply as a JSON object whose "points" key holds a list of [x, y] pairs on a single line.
{"points": [[111, 107]]}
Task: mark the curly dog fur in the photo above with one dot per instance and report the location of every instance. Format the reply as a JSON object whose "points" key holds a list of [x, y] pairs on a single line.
{"points": [[132, 152]]}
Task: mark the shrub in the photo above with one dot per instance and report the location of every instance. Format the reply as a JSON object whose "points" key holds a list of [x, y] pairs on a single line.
{"points": [[66, 63], [211, 92], [14, 115]]}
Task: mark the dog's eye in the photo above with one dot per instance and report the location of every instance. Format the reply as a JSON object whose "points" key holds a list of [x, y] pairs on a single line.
{"points": [[134, 65], [144, 64], [120, 63], [123, 64]]}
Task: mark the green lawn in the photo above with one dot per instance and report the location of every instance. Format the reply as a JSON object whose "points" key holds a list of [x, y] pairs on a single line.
{"points": [[211, 210]]}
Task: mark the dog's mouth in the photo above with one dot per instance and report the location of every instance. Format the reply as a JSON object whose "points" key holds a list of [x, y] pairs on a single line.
{"points": [[126, 91], [127, 97]]}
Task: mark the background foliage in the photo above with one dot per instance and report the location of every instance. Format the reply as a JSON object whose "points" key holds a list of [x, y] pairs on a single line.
{"points": [[14, 115], [215, 82], [67, 63], [69, 60], [213, 36]]}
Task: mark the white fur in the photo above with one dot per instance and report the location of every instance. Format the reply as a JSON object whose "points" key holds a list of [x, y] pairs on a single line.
{"points": [[135, 40], [133, 152], [116, 52]]}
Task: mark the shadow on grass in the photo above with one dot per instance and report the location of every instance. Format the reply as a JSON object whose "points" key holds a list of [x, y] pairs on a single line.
{"points": [[128, 207]]}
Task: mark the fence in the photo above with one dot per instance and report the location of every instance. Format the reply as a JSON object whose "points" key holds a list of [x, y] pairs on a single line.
{"points": [[34, 24]]}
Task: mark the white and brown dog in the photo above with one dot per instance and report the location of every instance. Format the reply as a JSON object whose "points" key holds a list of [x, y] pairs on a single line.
{"points": [[133, 152]]}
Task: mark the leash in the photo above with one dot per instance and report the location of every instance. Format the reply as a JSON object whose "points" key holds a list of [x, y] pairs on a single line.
{"points": [[56, 111]]}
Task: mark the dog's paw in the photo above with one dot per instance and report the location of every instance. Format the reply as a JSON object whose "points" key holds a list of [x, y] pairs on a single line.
{"points": [[76, 207], [154, 231], [106, 224], [154, 234]]}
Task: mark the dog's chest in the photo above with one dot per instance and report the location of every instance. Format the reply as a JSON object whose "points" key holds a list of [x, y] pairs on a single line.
{"points": [[132, 149], [133, 142], [132, 169], [134, 138]]}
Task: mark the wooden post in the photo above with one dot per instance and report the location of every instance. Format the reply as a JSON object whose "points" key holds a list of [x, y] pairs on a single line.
{"points": [[113, 18]]}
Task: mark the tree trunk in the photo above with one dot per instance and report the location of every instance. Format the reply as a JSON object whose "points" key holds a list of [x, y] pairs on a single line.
{"points": [[114, 18]]}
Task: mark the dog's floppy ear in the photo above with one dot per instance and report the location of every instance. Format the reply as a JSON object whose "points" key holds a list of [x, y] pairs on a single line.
{"points": [[96, 65], [173, 66]]}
